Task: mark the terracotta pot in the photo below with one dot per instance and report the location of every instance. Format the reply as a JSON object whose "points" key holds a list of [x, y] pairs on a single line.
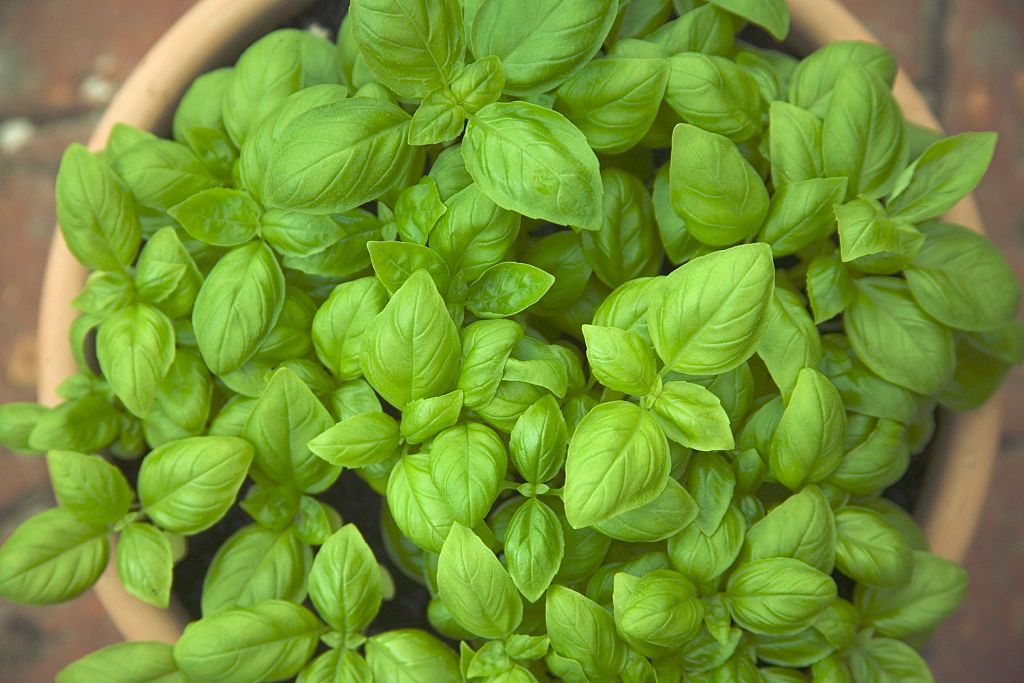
{"points": [[214, 32]]}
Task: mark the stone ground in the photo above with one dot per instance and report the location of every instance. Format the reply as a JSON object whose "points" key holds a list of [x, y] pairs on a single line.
{"points": [[60, 61]]}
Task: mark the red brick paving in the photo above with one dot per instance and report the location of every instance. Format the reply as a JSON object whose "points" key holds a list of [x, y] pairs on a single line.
{"points": [[60, 58]]}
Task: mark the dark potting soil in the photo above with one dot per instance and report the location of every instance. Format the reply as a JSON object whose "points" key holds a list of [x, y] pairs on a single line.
{"points": [[359, 504]]}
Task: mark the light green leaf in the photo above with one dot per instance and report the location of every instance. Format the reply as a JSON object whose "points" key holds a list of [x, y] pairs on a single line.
{"points": [[617, 461], [186, 486], [542, 43], [269, 641], [710, 314], [135, 348], [411, 46], [52, 557], [714, 188], [475, 587], [533, 161], [411, 349], [468, 464], [145, 563], [237, 306]]}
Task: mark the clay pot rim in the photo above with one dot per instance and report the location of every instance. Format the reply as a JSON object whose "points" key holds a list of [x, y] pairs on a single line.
{"points": [[213, 32]]}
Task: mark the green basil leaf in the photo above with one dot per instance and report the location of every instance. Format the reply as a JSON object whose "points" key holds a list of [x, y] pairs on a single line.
{"points": [[865, 230], [829, 287], [865, 134], [258, 147], [944, 174], [475, 587], [354, 398], [166, 276], [962, 280], [809, 442], [186, 486], [161, 173], [863, 391], [202, 105], [358, 441], [486, 347], [711, 313], [345, 582], [411, 46], [617, 461], [417, 211], [665, 516], [283, 421], [583, 631], [802, 213], [336, 666], [269, 641], [534, 546], [474, 233], [885, 659], [88, 487], [870, 550], [705, 557], [17, 420], [468, 464], [771, 15], [256, 564], [145, 563], [801, 527], [817, 76], [410, 656], [533, 161], [130, 662], [85, 424], [715, 94], [714, 189], [341, 321], [272, 68], [540, 45], [424, 418], [897, 340], [704, 29], [538, 441], [506, 289], [135, 348], [658, 610], [295, 233], [795, 144], [614, 101], [96, 212], [791, 341], [936, 587], [438, 119], [778, 595], [411, 349], [415, 503], [347, 256], [680, 245], [219, 216], [479, 84], [52, 557], [105, 294], [876, 463], [394, 262], [361, 140], [620, 359], [237, 306], [626, 246], [693, 417], [561, 255]]}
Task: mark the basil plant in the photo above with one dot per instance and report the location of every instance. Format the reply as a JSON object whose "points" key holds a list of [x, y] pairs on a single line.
{"points": [[630, 323]]}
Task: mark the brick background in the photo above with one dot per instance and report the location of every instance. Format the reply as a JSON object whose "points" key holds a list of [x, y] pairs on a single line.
{"points": [[60, 61]]}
